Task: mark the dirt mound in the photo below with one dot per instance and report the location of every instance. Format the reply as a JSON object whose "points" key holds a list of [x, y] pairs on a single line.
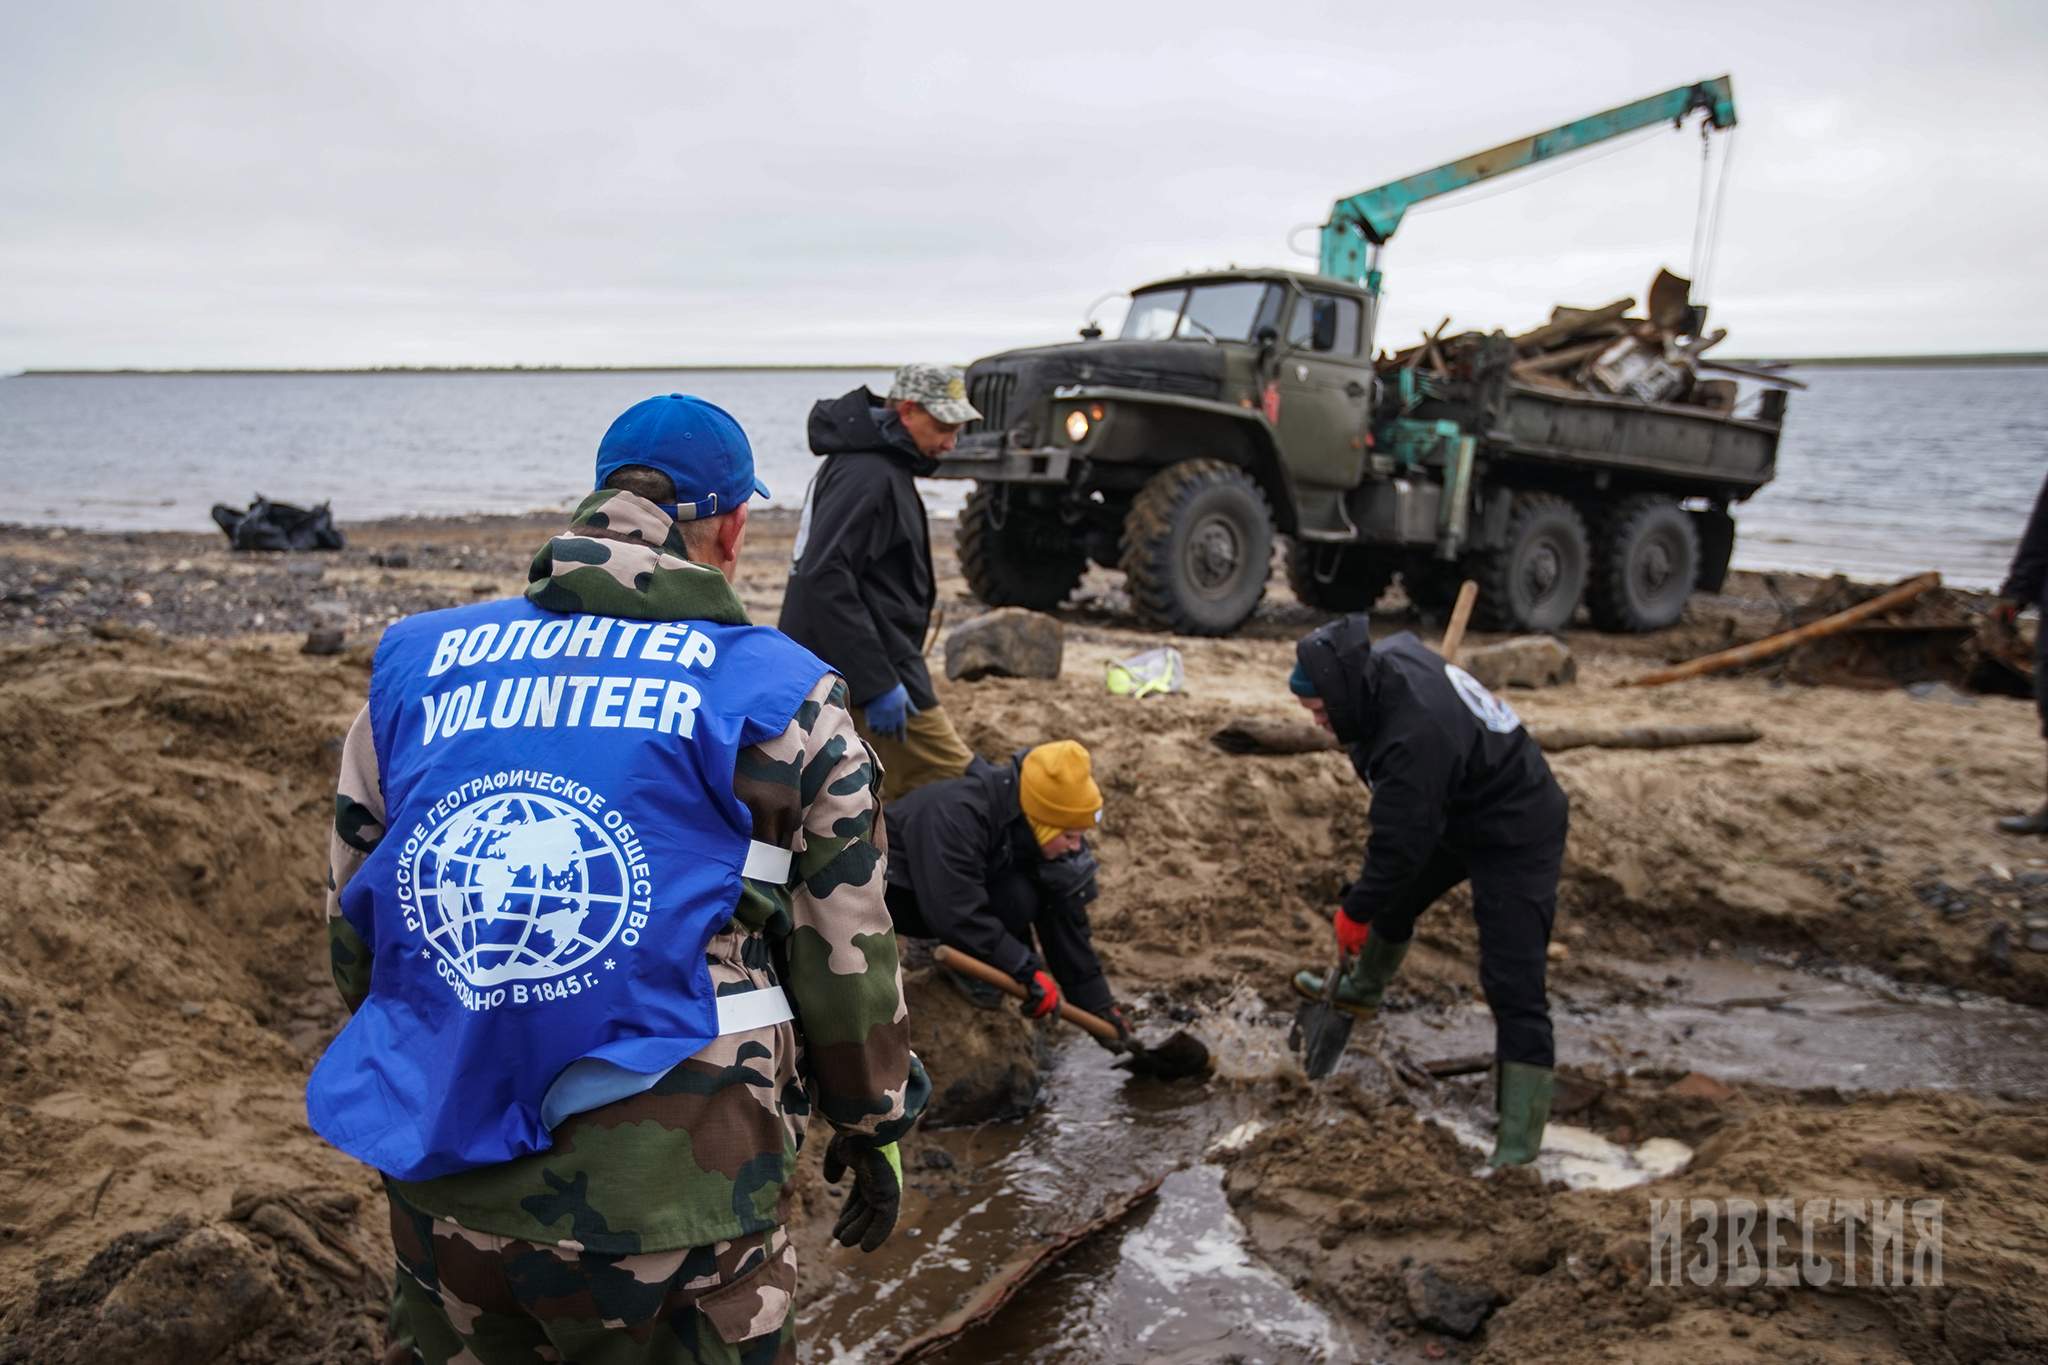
{"points": [[162, 974], [984, 1063], [284, 1279], [1355, 1195]]}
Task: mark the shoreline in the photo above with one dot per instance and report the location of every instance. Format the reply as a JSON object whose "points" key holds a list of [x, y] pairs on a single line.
{"points": [[541, 521]]}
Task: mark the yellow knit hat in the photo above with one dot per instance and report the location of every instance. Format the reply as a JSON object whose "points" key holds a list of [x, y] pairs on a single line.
{"points": [[1056, 790]]}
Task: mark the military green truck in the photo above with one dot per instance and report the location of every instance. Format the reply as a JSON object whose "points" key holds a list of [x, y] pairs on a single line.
{"points": [[1237, 406]]}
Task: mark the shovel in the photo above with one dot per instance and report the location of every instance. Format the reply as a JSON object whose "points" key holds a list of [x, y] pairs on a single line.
{"points": [[1321, 1030], [1180, 1056]]}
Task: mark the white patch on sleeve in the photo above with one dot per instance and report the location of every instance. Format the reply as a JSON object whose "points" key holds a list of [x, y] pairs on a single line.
{"points": [[1495, 714], [803, 525]]}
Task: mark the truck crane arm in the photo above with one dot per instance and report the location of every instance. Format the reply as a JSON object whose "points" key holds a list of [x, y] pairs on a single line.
{"points": [[1361, 224]]}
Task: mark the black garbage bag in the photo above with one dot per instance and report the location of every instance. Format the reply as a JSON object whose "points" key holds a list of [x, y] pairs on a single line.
{"points": [[271, 525]]}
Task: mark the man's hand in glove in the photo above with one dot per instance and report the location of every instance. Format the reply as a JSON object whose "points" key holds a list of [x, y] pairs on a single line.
{"points": [[889, 714], [1043, 995], [869, 1214], [1351, 935], [1123, 1041]]}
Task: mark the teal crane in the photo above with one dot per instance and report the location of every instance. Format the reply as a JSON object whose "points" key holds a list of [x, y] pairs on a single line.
{"points": [[1361, 224]]}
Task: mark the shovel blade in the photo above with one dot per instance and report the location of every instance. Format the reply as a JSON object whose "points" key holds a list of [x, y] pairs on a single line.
{"points": [[1178, 1058], [1321, 1032]]}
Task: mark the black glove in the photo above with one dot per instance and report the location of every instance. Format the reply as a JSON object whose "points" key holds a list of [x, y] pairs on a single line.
{"points": [[1123, 1042], [869, 1214]]}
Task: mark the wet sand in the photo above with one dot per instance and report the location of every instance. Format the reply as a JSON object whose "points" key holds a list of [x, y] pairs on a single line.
{"points": [[168, 756]]}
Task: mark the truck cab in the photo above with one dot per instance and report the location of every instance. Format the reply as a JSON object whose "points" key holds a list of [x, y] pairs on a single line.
{"points": [[1255, 387]]}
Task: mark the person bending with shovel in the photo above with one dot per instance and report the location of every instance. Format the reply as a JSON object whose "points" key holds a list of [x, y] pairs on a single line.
{"points": [[1459, 792], [987, 861]]}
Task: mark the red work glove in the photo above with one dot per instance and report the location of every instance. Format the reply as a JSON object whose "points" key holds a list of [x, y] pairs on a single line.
{"points": [[1044, 996], [2006, 612], [1351, 935]]}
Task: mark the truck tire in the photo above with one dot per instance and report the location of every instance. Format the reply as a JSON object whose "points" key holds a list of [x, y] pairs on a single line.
{"points": [[1645, 566], [1339, 577], [1013, 555], [1198, 545], [1535, 580]]}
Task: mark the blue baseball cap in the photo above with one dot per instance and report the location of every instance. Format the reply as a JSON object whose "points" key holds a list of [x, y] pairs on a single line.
{"points": [[696, 443]]}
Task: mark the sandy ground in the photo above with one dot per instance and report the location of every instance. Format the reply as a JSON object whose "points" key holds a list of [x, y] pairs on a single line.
{"points": [[166, 761]]}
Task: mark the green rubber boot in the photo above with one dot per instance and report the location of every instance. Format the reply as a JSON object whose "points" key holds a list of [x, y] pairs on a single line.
{"points": [[1522, 1095], [1362, 988]]}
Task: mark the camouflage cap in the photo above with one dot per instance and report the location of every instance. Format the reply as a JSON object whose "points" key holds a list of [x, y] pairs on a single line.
{"points": [[940, 390]]}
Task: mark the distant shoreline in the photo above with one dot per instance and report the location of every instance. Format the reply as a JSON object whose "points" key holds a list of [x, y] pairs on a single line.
{"points": [[1950, 361], [453, 369], [1957, 361]]}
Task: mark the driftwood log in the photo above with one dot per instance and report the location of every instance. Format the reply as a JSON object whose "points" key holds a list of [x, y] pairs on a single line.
{"points": [[1563, 737], [988, 1300], [1260, 735], [1774, 645]]}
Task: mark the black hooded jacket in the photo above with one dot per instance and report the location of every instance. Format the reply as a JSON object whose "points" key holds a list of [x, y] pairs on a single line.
{"points": [[953, 843], [1447, 762], [860, 582], [2027, 583]]}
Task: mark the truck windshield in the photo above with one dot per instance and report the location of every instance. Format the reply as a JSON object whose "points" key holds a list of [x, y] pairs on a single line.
{"points": [[1206, 312]]}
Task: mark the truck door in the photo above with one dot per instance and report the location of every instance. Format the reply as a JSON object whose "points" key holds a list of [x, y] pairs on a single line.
{"points": [[1324, 391]]}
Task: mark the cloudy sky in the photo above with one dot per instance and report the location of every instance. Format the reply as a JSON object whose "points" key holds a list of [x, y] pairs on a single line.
{"points": [[312, 184]]}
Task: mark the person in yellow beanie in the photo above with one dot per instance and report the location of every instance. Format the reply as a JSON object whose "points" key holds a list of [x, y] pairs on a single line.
{"points": [[996, 863]]}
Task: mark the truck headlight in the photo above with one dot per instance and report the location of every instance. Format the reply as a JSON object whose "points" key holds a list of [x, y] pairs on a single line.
{"points": [[1077, 426]]}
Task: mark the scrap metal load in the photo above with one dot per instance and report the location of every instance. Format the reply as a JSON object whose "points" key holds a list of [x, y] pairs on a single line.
{"points": [[1655, 358]]}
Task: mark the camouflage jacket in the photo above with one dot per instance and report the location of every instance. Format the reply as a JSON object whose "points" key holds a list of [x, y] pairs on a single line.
{"points": [[705, 1155]]}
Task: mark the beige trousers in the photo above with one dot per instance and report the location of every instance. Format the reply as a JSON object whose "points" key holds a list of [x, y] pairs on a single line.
{"points": [[931, 750]]}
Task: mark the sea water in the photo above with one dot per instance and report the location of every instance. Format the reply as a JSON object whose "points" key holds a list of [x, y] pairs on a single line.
{"points": [[1883, 471]]}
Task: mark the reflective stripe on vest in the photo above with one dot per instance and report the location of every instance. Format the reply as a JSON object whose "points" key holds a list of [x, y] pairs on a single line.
{"points": [[561, 843]]}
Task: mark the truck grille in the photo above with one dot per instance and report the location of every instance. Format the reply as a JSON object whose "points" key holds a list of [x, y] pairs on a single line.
{"points": [[990, 394]]}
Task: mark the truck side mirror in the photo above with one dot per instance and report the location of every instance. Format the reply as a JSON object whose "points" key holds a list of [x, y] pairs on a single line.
{"points": [[1322, 326]]}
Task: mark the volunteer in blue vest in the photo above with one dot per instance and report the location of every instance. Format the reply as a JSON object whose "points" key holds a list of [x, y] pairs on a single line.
{"points": [[609, 913]]}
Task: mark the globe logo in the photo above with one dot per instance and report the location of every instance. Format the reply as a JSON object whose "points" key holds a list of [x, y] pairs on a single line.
{"points": [[1495, 714], [519, 887]]}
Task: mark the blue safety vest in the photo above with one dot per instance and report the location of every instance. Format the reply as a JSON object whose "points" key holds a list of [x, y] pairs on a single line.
{"points": [[561, 843]]}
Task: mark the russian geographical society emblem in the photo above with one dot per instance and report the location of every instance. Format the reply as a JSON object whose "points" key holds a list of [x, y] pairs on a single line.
{"points": [[513, 887], [1495, 714]]}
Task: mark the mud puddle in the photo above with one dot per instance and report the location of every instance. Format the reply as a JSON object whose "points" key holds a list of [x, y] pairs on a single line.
{"points": [[1173, 1282], [1742, 1020]]}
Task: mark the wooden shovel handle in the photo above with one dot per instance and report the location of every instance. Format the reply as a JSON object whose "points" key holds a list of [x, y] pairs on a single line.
{"points": [[1002, 981], [1454, 633]]}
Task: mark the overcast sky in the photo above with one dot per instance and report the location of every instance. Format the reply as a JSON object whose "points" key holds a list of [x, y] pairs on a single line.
{"points": [[298, 184]]}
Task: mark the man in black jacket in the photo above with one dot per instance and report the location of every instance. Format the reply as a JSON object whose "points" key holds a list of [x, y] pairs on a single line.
{"points": [[2027, 586], [986, 861], [1459, 790], [860, 580]]}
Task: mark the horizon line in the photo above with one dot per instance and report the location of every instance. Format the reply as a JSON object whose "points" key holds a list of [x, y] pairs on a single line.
{"points": [[1900, 358]]}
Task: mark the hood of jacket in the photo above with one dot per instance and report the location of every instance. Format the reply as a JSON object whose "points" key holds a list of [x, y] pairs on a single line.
{"points": [[859, 421], [1339, 662], [624, 556]]}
